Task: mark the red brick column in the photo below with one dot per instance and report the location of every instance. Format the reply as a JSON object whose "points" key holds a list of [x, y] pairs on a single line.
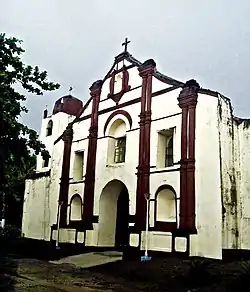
{"points": [[187, 102], [89, 186], [146, 71], [64, 184]]}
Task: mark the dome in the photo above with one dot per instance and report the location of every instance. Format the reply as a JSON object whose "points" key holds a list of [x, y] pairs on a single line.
{"points": [[69, 105]]}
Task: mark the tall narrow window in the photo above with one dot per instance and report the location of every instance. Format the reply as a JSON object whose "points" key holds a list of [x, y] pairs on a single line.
{"points": [[165, 150], [49, 128], [169, 152], [78, 165], [46, 162], [120, 150]]}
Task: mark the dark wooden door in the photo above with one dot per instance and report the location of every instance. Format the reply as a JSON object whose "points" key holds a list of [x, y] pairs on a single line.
{"points": [[122, 219]]}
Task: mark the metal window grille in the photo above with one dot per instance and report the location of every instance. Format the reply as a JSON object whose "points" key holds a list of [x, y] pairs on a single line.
{"points": [[169, 153], [120, 150]]}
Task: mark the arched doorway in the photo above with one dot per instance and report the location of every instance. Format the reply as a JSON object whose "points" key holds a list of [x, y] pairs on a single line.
{"points": [[122, 219], [114, 215]]}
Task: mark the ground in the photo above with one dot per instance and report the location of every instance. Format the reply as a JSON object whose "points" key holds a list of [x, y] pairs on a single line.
{"points": [[165, 273]]}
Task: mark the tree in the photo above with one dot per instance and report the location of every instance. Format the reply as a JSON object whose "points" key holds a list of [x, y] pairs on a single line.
{"points": [[18, 143]]}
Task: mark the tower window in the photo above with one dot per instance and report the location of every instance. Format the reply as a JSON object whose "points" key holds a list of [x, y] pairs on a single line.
{"points": [[49, 128], [46, 162]]}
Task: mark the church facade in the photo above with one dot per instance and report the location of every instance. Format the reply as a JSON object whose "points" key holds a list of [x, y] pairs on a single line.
{"points": [[143, 135]]}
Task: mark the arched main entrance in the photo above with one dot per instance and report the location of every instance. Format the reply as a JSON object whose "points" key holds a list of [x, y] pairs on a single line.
{"points": [[114, 215]]}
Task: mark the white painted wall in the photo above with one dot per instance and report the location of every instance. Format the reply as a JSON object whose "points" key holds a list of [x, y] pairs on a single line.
{"points": [[60, 122], [222, 176], [36, 209], [208, 241]]}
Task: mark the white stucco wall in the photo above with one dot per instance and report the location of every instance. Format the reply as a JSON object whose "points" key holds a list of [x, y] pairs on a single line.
{"points": [[41, 199], [60, 122], [208, 241], [222, 179], [229, 183], [36, 209], [244, 177]]}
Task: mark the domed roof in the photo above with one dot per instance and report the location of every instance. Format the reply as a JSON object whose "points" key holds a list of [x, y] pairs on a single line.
{"points": [[68, 104]]}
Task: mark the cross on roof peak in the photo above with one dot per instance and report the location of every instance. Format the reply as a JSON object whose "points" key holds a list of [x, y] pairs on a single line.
{"points": [[125, 44]]}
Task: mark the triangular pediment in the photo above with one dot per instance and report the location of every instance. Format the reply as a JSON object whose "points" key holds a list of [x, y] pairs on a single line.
{"points": [[133, 62], [119, 76]]}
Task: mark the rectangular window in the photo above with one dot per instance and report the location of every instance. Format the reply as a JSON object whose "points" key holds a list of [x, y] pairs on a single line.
{"points": [[165, 151], [78, 165], [120, 150]]}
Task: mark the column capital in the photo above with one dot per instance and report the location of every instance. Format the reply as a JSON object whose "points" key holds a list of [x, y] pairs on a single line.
{"points": [[95, 88], [189, 93], [68, 133], [147, 68]]}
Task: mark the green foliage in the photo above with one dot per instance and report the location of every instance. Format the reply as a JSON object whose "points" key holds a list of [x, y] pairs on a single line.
{"points": [[18, 143], [9, 233]]}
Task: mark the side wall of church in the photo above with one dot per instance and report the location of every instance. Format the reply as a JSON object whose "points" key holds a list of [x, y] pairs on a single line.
{"points": [[234, 178], [243, 176], [36, 209], [41, 199]]}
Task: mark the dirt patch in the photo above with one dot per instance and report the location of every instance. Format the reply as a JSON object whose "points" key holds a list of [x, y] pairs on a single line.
{"points": [[160, 274], [20, 270]]}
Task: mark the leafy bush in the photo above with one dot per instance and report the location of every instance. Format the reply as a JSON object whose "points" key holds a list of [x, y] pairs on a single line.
{"points": [[9, 232]]}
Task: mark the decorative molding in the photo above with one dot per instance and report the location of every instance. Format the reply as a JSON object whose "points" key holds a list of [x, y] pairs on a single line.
{"points": [[124, 88], [165, 170], [127, 103], [36, 175], [118, 112]]}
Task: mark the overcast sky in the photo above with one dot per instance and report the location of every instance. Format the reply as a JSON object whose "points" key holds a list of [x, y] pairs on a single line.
{"points": [[76, 41]]}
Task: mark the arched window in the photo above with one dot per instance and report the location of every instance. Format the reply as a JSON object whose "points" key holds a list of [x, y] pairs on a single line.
{"points": [[75, 208], [117, 142], [166, 204], [49, 128]]}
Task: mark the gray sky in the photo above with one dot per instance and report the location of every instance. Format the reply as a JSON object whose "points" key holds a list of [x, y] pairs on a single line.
{"points": [[76, 41]]}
